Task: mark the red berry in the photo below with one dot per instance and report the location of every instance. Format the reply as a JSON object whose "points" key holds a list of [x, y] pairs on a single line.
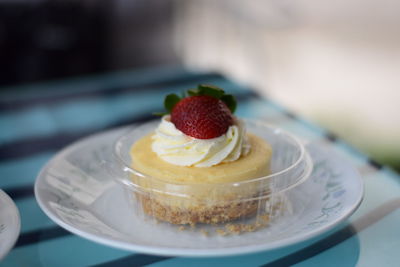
{"points": [[202, 117]]}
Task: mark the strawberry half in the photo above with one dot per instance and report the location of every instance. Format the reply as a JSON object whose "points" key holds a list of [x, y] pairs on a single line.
{"points": [[202, 116], [203, 113]]}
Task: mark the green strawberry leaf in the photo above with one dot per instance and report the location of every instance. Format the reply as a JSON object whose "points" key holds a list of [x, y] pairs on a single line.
{"points": [[210, 90], [193, 92], [230, 101], [170, 101]]}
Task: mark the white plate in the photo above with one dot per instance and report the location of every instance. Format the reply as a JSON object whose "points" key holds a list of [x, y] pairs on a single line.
{"points": [[10, 224], [74, 191]]}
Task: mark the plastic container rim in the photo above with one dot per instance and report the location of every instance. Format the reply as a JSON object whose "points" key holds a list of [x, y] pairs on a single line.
{"points": [[303, 156]]}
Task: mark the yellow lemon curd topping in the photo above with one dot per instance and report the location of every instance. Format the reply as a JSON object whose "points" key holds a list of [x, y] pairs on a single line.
{"points": [[252, 165]]}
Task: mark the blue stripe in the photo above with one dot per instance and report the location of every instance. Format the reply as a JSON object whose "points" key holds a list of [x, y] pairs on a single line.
{"points": [[33, 146], [349, 251], [41, 235], [66, 251], [135, 260], [57, 236], [95, 83], [20, 191], [76, 116], [23, 171], [32, 217]]}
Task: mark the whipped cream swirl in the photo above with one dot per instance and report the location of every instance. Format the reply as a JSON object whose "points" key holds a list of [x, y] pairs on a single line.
{"points": [[177, 148]]}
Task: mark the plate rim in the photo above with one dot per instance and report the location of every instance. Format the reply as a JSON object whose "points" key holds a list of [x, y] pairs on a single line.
{"points": [[12, 206], [187, 252]]}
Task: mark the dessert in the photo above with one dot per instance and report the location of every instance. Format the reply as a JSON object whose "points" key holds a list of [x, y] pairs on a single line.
{"points": [[200, 164]]}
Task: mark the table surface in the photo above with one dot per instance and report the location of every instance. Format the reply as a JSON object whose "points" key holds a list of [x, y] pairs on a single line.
{"points": [[38, 120]]}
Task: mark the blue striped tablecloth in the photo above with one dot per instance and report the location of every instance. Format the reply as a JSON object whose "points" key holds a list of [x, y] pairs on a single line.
{"points": [[36, 121]]}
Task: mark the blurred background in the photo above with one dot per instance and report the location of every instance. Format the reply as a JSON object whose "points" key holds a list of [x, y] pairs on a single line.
{"points": [[336, 64], [42, 40]]}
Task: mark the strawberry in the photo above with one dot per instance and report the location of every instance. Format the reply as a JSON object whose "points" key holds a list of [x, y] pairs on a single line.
{"points": [[202, 116], [203, 113]]}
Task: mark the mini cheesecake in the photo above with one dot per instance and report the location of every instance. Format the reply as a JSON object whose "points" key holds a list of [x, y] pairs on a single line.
{"points": [[200, 166]]}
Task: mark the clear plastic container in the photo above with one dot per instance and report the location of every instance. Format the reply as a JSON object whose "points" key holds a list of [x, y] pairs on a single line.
{"points": [[238, 206]]}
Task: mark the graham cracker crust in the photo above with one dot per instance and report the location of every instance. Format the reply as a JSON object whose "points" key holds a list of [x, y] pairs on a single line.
{"points": [[202, 214]]}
